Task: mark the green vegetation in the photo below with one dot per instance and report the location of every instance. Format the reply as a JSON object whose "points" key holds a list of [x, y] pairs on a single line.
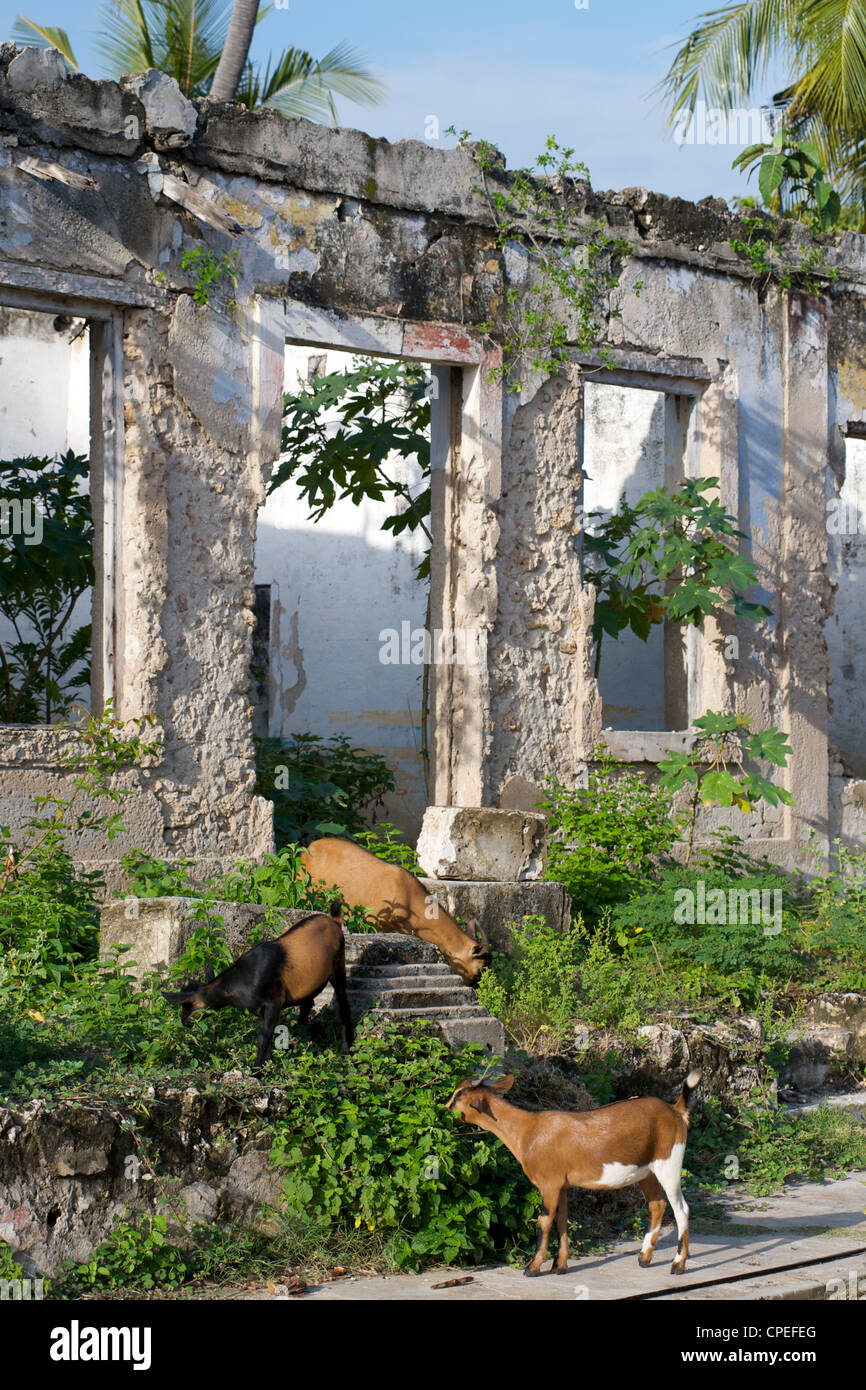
{"points": [[573, 272], [668, 558], [46, 565], [795, 167], [370, 1143], [319, 786], [771, 1147], [210, 272], [383, 422], [652, 938]]}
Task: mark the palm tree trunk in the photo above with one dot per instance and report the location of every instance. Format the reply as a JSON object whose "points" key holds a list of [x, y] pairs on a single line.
{"points": [[234, 54]]}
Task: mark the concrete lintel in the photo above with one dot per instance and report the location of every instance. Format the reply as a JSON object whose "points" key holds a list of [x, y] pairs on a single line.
{"points": [[645, 746], [687, 376], [423, 342], [84, 296]]}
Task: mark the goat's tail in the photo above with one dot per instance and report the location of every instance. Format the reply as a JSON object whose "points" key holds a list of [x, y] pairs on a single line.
{"points": [[686, 1102], [336, 909]]}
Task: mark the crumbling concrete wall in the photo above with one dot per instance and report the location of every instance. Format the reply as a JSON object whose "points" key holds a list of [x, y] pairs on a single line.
{"points": [[346, 241]]}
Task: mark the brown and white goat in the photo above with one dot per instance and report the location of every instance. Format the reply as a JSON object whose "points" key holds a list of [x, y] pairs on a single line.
{"points": [[632, 1141], [397, 898]]}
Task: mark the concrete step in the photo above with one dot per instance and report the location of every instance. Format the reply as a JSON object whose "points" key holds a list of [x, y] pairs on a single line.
{"points": [[385, 972], [411, 993], [404, 979], [389, 948], [455, 1012]]}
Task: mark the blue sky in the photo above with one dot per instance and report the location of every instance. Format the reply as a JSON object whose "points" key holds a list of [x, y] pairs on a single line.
{"points": [[512, 72]]}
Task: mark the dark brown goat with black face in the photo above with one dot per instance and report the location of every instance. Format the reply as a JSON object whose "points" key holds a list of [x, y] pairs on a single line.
{"points": [[640, 1141], [273, 975]]}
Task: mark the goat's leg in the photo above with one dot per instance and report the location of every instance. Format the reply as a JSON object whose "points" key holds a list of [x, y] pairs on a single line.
{"points": [[654, 1193], [338, 980], [305, 1008], [269, 1017], [561, 1266], [550, 1202], [669, 1174]]}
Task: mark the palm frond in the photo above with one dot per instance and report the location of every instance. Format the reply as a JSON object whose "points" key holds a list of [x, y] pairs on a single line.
{"points": [[34, 35], [300, 85], [834, 84], [183, 38], [730, 52]]}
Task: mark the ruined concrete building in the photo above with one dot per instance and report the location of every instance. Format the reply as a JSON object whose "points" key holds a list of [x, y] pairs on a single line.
{"points": [[346, 242]]}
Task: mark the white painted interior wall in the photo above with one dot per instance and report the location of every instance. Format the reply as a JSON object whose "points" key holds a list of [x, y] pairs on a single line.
{"points": [[44, 405], [624, 457], [844, 630], [336, 585]]}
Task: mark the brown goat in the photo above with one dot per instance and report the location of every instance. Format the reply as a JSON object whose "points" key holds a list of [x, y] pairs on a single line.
{"points": [[632, 1141], [397, 899]]}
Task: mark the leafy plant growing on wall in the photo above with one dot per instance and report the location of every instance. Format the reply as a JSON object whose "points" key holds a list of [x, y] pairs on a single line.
{"points": [[572, 260], [210, 272], [715, 766], [668, 558], [319, 786], [791, 178], [46, 565], [343, 434]]}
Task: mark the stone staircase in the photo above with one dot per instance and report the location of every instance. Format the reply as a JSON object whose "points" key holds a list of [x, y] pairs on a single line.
{"points": [[403, 979]]}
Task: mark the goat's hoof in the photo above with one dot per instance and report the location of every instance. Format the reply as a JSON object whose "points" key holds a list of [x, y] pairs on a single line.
{"points": [[678, 1269], [530, 1273], [644, 1261], [560, 1269]]}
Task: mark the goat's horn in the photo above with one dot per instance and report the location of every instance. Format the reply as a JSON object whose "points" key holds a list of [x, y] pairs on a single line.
{"points": [[208, 979]]}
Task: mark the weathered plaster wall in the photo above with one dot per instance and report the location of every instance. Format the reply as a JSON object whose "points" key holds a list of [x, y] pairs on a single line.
{"points": [[348, 241]]}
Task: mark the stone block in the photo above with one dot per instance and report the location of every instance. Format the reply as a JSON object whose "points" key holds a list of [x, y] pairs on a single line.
{"points": [[171, 118], [37, 67], [496, 905], [482, 843], [157, 929]]}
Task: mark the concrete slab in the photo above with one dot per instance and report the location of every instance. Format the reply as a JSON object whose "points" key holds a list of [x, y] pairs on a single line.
{"points": [[807, 1243]]}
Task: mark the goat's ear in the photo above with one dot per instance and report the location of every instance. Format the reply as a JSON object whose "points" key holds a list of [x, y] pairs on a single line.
{"points": [[183, 997], [501, 1084]]}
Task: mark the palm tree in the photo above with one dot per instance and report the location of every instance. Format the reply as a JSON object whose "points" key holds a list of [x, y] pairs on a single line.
{"points": [[822, 44], [186, 38], [233, 59]]}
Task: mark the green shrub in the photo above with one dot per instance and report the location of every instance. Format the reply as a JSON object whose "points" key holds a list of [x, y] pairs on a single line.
{"points": [[9, 1266], [319, 786], [136, 1254], [370, 1145], [650, 928], [49, 925], [533, 991], [608, 840], [771, 1146], [386, 842]]}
